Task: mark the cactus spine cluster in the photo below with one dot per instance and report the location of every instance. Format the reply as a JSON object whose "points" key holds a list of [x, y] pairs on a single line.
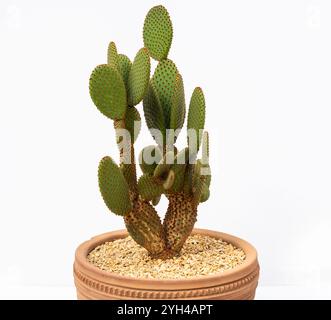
{"points": [[116, 88]]}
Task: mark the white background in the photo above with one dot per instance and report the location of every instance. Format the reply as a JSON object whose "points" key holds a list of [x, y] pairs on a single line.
{"points": [[265, 68]]}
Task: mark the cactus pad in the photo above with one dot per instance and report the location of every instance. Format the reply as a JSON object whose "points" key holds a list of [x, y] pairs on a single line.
{"points": [[164, 82], [196, 114], [205, 193], [124, 67], [112, 57], [139, 77], [157, 32], [196, 173], [208, 175], [177, 112], [108, 92], [198, 188], [149, 188], [179, 168], [154, 114], [113, 187]]}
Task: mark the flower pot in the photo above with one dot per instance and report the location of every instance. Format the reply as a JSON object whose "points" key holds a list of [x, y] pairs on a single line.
{"points": [[238, 283]]}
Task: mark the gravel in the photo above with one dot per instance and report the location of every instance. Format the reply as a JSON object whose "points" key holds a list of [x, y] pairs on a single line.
{"points": [[201, 255]]}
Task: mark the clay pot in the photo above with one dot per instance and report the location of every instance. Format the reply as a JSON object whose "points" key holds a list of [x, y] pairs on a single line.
{"points": [[239, 283]]}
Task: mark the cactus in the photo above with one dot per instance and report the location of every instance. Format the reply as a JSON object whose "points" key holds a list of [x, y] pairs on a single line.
{"points": [[124, 66], [177, 111], [154, 114], [196, 115], [149, 187], [108, 92], [138, 77], [117, 88], [164, 82], [158, 32], [113, 187], [112, 56]]}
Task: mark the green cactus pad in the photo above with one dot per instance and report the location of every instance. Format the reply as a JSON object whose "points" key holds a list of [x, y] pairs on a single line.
{"points": [[196, 114], [177, 113], [205, 168], [179, 168], [153, 152], [108, 92], [124, 67], [139, 77], [149, 188], [112, 56], [133, 123], [198, 189], [157, 32], [164, 82], [205, 193], [113, 187], [153, 113], [197, 171]]}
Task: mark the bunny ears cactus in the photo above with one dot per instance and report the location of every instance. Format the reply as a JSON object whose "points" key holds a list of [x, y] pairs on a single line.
{"points": [[157, 32], [116, 89]]}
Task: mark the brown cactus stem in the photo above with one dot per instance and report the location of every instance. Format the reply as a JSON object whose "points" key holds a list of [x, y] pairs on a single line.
{"points": [[179, 220], [145, 227]]}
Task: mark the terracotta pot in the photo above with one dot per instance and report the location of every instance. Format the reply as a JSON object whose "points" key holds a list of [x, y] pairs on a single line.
{"points": [[239, 283]]}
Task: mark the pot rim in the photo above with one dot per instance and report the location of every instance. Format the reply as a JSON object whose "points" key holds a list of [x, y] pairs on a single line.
{"points": [[248, 267]]}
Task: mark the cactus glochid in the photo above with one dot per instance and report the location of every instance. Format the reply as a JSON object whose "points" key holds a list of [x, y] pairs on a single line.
{"points": [[116, 88]]}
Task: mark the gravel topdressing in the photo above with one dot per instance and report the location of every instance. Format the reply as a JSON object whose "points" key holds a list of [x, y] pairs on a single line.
{"points": [[201, 255]]}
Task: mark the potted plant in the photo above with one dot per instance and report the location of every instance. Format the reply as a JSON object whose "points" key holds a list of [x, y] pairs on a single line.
{"points": [[154, 259]]}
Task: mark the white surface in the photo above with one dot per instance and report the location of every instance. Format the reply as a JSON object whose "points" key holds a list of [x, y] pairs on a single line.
{"points": [[69, 293], [265, 68]]}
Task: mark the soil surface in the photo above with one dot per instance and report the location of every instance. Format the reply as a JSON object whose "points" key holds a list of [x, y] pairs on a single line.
{"points": [[201, 255]]}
